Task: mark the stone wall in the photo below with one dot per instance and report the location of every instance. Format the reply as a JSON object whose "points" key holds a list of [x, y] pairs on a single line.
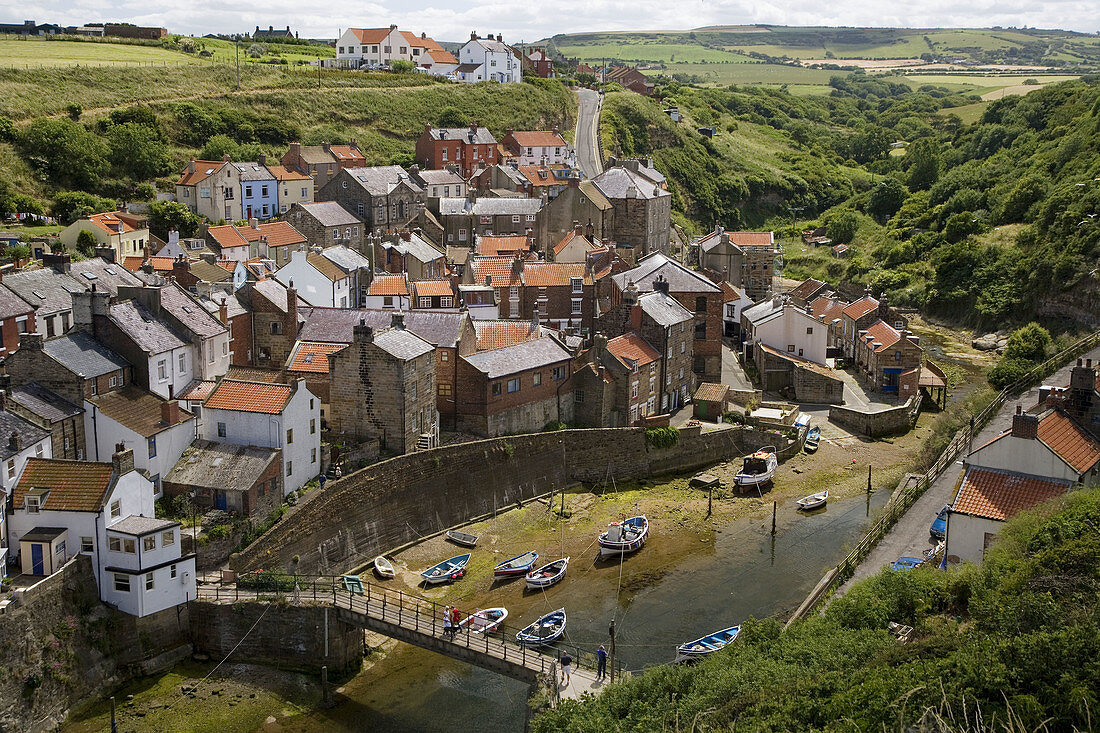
{"points": [[397, 501], [813, 386], [898, 419], [276, 635]]}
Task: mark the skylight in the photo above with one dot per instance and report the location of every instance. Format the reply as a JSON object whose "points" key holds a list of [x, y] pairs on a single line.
{"points": [[38, 294], [90, 275], [110, 271]]}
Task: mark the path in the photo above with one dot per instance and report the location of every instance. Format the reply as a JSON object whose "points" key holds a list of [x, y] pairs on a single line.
{"points": [[910, 537], [587, 139]]}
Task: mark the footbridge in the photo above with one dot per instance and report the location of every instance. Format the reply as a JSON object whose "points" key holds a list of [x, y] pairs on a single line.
{"points": [[419, 621]]}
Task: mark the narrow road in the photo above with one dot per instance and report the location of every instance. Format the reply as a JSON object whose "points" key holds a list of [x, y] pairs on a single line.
{"points": [[587, 139], [910, 536]]}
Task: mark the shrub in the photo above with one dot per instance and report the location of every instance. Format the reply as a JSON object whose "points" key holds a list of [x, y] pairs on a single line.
{"points": [[67, 153], [662, 437], [402, 66], [86, 243], [1029, 343], [269, 580], [842, 227], [74, 111], [1009, 371]]}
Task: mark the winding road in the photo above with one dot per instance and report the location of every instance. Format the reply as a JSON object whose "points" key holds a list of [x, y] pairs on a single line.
{"points": [[587, 139]]}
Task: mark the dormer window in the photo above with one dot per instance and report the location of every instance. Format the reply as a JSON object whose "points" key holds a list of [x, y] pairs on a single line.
{"points": [[32, 504]]}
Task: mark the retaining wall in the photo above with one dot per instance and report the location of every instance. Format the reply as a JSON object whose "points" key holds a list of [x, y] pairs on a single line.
{"points": [[874, 424], [397, 501]]}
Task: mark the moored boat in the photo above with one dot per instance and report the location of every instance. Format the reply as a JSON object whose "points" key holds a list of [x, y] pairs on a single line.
{"points": [[518, 565], [384, 567], [758, 468], [484, 621], [626, 536], [812, 439], [548, 574], [707, 644], [446, 571], [461, 538], [546, 630], [813, 501]]}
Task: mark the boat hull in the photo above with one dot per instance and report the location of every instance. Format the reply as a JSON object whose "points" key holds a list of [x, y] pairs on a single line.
{"points": [[446, 571], [462, 538], [545, 581], [533, 636], [814, 501], [707, 645], [481, 623], [383, 567], [507, 570]]}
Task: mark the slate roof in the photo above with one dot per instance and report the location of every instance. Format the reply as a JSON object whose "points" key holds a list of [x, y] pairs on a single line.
{"points": [[74, 486], [249, 397], [806, 288], [381, 180], [1066, 438], [595, 195], [48, 290], [488, 206], [481, 136], [861, 307], [680, 279], [80, 353], [345, 258], [389, 284], [335, 325], [402, 343], [221, 466], [208, 272], [103, 274], [519, 358], [137, 409], [12, 424], [763, 310], [43, 402], [138, 526], [615, 182], [312, 356], [664, 309], [330, 214], [253, 172], [11, 305], [274, 291], [632, 347], [1001, 495], [440, 177], [189, 312], [497, 334], [150, 334], [415, 246]]}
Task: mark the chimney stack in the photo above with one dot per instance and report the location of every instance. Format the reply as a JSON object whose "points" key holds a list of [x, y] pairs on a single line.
{"points": [[397, 320], [15, 442], [123, 459], [362, 333], [1024, 425], [170, 412]]}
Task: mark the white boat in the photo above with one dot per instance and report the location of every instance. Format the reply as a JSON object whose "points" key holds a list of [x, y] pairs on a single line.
{"points": [[446, 571], [383, 567], [546, 630], [626, 536], [813, 501], [548, 574], [707, 644], [461, 538], [484, 621], [758, 468]]}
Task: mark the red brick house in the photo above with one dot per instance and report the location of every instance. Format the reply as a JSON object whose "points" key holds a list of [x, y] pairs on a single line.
{"points": [[630, 79], [468, 147], [322, 162], [16, 317], [541, 63]]}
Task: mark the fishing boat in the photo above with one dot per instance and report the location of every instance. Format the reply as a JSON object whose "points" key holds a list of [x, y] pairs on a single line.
{"points": [[383, 567], [758, 469], [353, 584], [518, 565], [626, 536], [546, 630], [548, 574], [707, 645], [812, 439], [461, 538], [813, 501], [446, 571], [484, 621]]}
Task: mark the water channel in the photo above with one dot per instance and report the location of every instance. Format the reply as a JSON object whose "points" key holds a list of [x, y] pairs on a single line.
{"points": [[745, 572]]}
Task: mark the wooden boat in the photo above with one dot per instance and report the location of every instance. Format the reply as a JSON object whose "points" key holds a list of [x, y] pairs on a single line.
{"points": [[518, 565], [548, 574], [353, 584], [758, 468], [484, 621], [446, 571], [384, 567], [707, 644], [813, 501], [461, 538], [812, 439], [623, 537], [546, 630]]}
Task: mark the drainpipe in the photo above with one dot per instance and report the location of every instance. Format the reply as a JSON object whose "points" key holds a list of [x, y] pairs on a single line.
{"points": [[95, 434]]}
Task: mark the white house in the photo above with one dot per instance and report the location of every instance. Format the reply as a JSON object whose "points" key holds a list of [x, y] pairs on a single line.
{"points": [[388, 291], [19, 440], [359, 47], [487, 59], [791, 330], [1050, 445], [104, 510], [538, 147], [319, 280], [156, 429], [286, 417], [735, 301]]}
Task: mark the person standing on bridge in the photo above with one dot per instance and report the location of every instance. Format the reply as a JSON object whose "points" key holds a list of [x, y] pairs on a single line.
{"points": [[448, 630], [601, 663], [566, 664], [456, 617]]}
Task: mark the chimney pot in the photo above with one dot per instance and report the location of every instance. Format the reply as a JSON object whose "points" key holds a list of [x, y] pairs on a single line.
{"points": [[123, 459]]}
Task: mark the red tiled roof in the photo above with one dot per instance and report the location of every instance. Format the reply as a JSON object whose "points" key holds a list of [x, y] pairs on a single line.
{"points": [[74, 486], [428, 288], [389, 284], [569, 237], [311, 356], [230, 265], [282, 173], [198, 390], [882, 332], [249, 397], [493, 334], [806, 288], [491, 246], [110, 222], [729, 292], [346, 153], [539, 175], [278, 233], [499, 268], [160, 264], [549, 274], [1000, 495], [203, 170], [751, 239], [442, 56], [711, 392], [370, 35], [1069, 440], [227, 235], [632, 347], [538, 139], [861, 307], [829, 308]]}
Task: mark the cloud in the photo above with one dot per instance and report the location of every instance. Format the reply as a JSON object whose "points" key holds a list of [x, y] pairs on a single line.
{"points": [[454, 19]]}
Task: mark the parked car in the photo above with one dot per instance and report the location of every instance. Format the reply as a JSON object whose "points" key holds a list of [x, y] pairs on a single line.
{"points": [[906, 563], [938, 530]]}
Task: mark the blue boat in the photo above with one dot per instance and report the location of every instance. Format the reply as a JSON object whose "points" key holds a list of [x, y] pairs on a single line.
{"points": [[906, 563], [446, 571], [546, 630], [518, 565], [706, 645], [812, 439]]}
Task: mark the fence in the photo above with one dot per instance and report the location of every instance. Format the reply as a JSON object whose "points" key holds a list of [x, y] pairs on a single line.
{"points": [[901, 503]]}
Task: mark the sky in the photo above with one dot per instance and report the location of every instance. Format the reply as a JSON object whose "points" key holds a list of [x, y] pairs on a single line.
{"points": [[453, 20]]}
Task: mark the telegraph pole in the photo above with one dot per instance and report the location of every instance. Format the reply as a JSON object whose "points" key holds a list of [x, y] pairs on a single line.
{"points": [[611, 631]]}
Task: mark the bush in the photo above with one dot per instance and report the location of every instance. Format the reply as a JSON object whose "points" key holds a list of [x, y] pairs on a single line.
{"points": [[842, 227], [86, 243], [1029, 343], [662, 437], [67, 153], [72, 205], [269, 580], [402, 66], [1008, 371], [74, 111]]}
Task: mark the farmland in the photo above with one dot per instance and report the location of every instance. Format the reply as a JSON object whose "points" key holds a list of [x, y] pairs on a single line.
{"points": [[21, 52]]}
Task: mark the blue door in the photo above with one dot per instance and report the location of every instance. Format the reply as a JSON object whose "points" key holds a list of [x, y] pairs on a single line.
{"points": [[37, 567], [219, 500]]}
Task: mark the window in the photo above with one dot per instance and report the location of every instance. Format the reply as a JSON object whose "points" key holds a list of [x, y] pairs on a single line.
{"points": [[809, 330], [149, 543], [183, 363], [152, 446], [701, 304], [683, 346], [347, 232], [424, 302], [559, 373], [290, 436], [304, 193], [444, 155], [129, 546], [289, 467], [221, 430], [313, 455], [462, 235], [530, 217], [148, 581], [172, 572], [49, 327], [513, 385], [412, 391], [225, 348], [496, 388], [38, 450], [668, 379], [87, 544], [276, 328], [577, 284], [681, 373], [167, 539], [112, 382], [536, 378], [11, 469], [116, 508], [114, 544], [443, 390], [248, 190], [312, 426], [122, 583], [515, 218], [576, 306], [162, 370], [446, 302], [263, 191]]}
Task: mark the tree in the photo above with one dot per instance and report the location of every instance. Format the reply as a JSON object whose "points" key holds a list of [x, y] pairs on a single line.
{"points": [[886, 199], [69, 206], [137, 152], [86, 243], [19, 252], [66, 152], [256, 50], [960, 226], [923, 163], [219, 146], [842, 227], [165, 215], [74, 110], [1029, 342], [451, 117], [402, 66]]}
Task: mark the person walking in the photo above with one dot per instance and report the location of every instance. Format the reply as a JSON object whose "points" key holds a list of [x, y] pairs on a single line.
{"points": [[601, 663], [456, 618], [447, 628], [566, 665]]}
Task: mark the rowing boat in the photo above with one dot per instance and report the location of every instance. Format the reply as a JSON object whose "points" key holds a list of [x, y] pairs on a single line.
{"points": [[446, 571]]}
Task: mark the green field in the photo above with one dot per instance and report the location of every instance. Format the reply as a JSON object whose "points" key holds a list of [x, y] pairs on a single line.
{"points": [[654, 51], [808, 80], [37, 52]]}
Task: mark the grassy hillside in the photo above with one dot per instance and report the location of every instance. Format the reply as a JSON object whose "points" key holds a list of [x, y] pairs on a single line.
{"points": [[1007, 646]]}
